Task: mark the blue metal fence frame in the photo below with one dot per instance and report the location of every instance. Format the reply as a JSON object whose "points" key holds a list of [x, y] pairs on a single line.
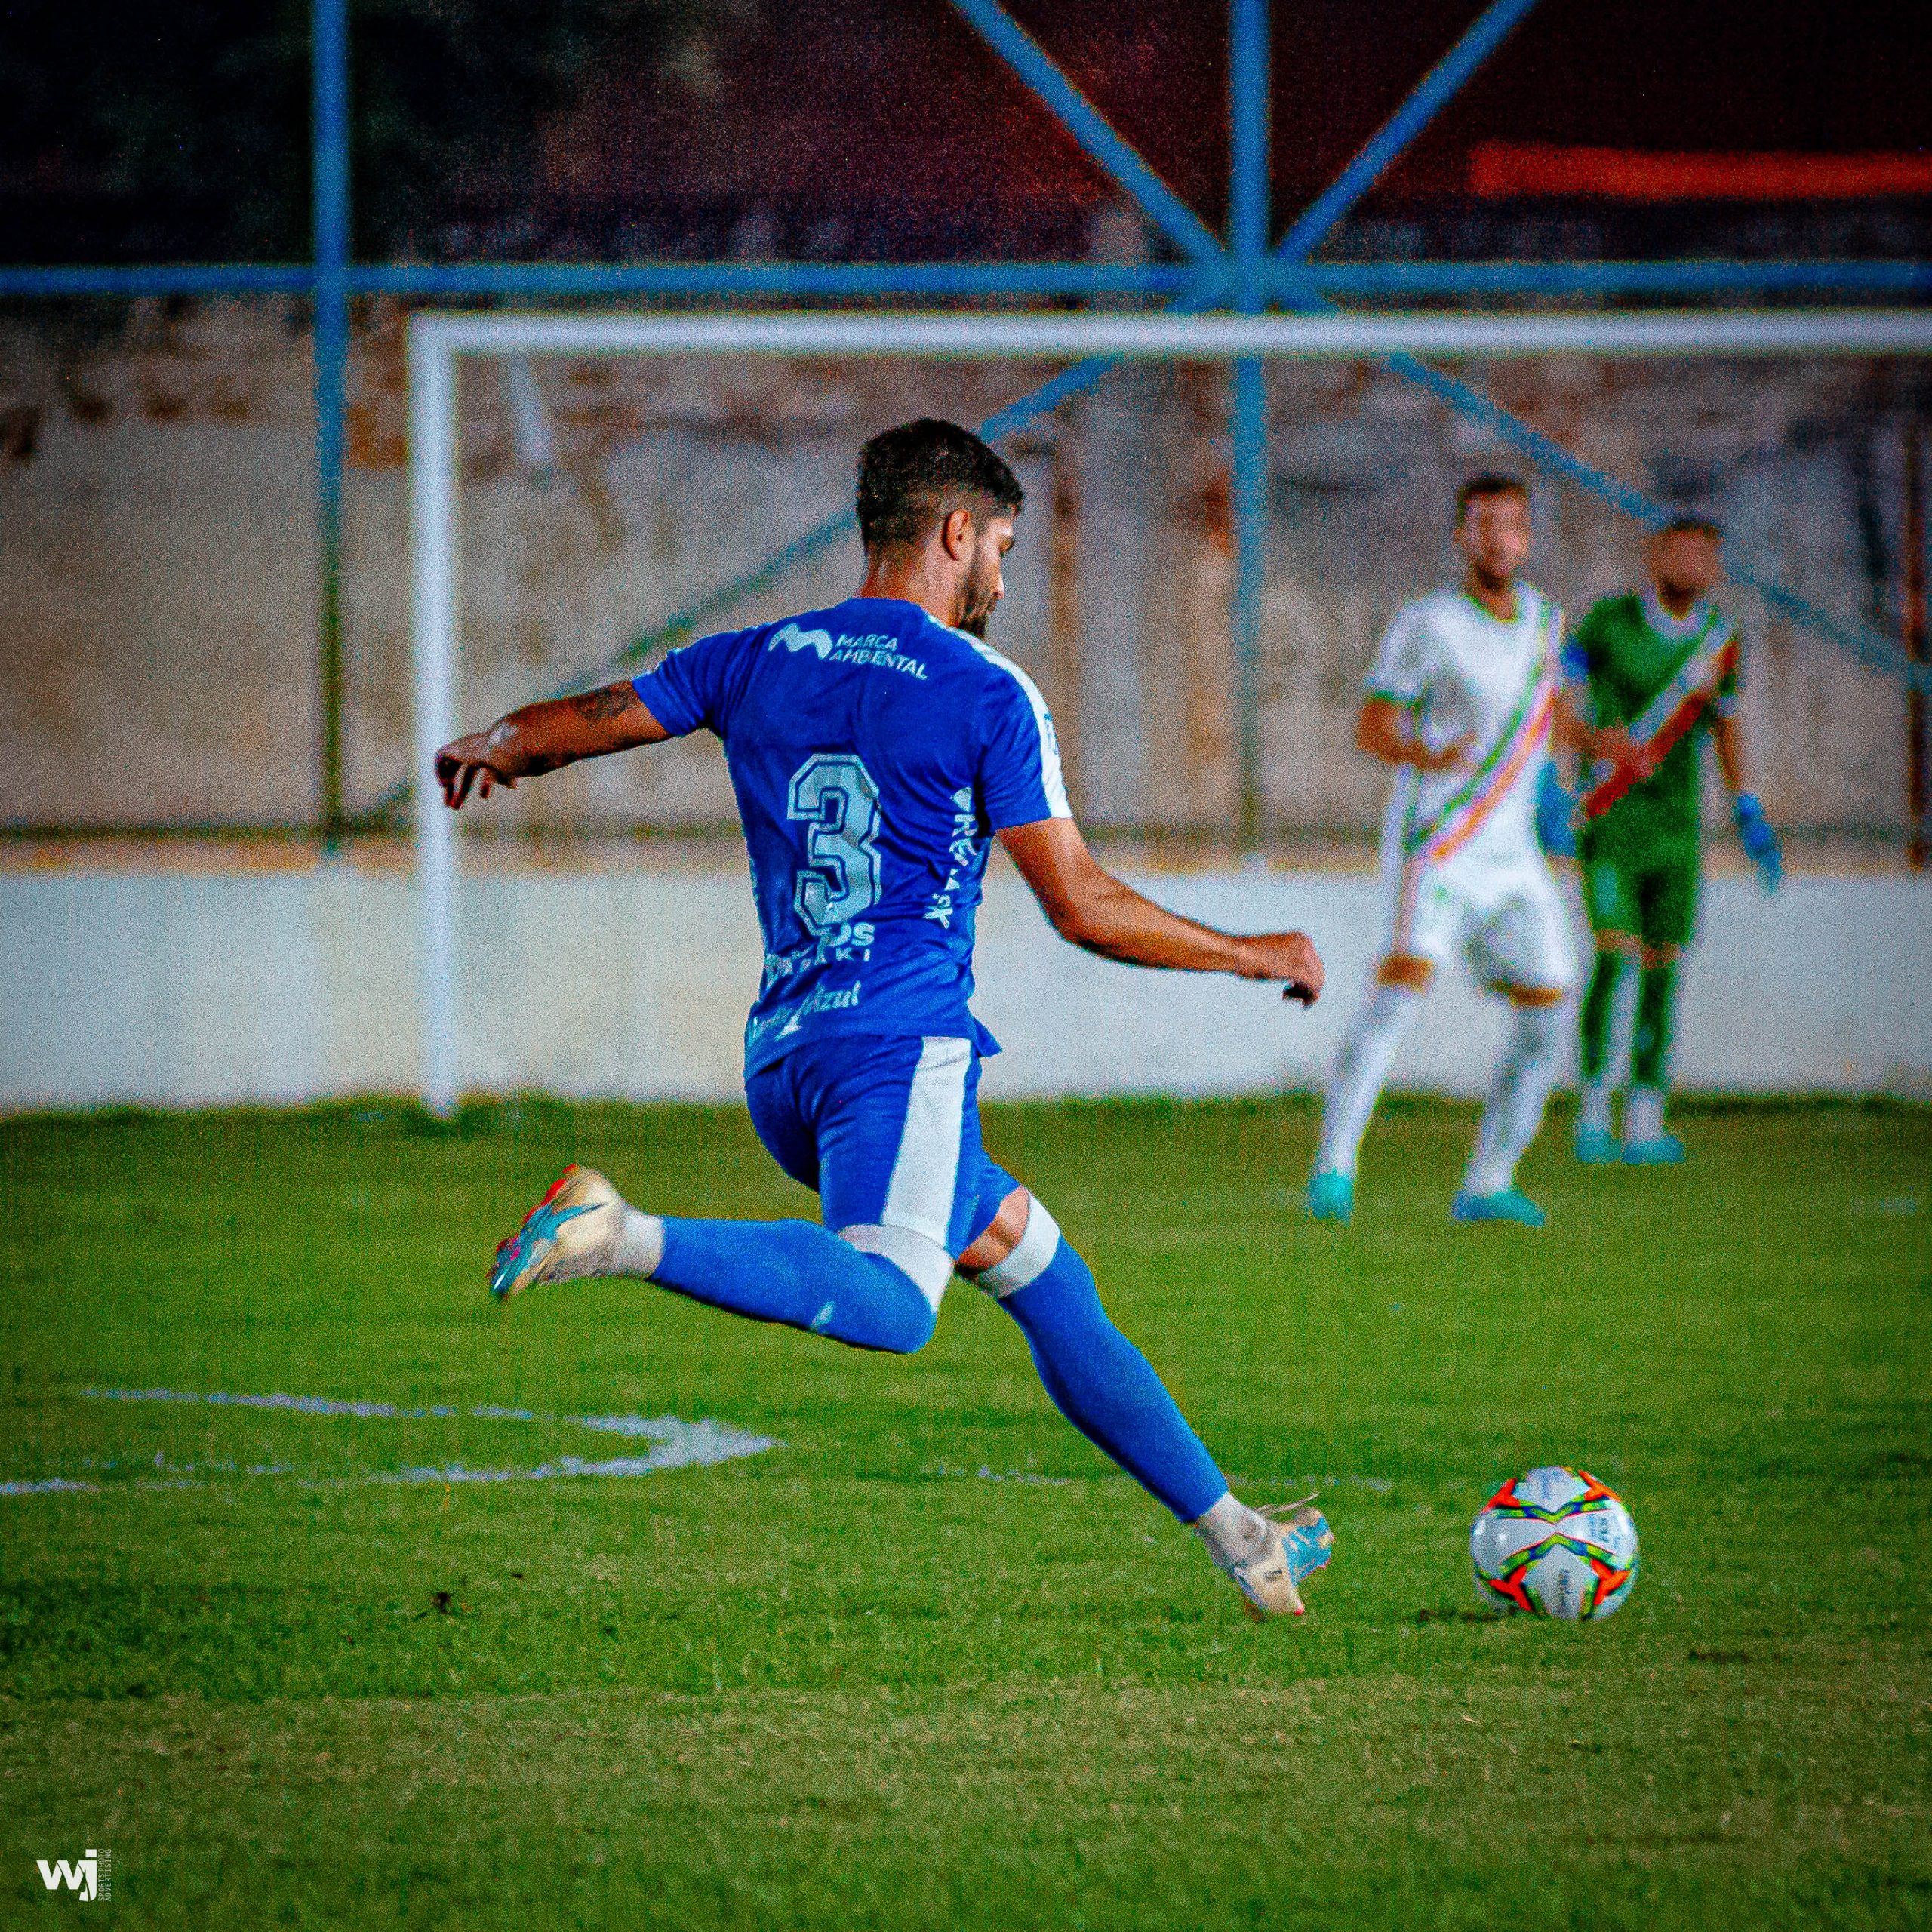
{"points": [[330, 201], [1243, 273], [1250, 82], [1286, 284]]}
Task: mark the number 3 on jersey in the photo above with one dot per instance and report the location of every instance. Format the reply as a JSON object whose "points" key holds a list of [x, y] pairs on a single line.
{"points": [[833, 794]]}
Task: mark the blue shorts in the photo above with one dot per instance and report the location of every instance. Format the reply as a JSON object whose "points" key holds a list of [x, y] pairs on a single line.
{"points": [[885, 1129]]}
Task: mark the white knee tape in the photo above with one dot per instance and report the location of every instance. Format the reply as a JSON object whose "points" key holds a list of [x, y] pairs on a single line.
{"points": [[926, 1263], [1028, 1261]]}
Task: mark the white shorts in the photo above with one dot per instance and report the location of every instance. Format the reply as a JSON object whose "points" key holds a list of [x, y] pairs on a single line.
{"points": [[1498, 909]]}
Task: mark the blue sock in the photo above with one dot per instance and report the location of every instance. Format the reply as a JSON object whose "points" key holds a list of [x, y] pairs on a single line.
{"points": [[1106, 1388], [802, 1275]]}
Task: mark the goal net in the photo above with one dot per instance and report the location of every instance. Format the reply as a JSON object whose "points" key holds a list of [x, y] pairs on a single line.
{"points": [[586, 491]]}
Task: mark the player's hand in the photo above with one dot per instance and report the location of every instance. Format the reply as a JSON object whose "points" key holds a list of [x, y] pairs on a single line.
{"points": [[1288, 956], [1628, 758], [1447, 759], [1556, 815], [463, 762], [1760, 842]]}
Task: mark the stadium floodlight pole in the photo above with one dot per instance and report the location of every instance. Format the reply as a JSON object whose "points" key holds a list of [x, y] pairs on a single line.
{"points": [[1248, 129], [1098, 140], [329, 96]]}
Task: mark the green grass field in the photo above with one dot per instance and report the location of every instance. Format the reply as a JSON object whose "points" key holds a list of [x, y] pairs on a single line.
{"points": [[930, 1662]]}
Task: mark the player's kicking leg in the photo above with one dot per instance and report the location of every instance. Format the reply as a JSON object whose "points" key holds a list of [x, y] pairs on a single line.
{"points": [[888, 1132], [1106, 1388]]}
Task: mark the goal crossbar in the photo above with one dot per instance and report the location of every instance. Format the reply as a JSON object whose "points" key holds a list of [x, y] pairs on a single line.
{"points": [[1185, 337], [437, 341]]}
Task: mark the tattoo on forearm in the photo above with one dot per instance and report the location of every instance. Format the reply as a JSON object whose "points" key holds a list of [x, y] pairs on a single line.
{"points": [[607, 701]]}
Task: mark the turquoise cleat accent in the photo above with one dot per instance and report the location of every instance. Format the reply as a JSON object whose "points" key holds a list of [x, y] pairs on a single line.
{"points": [[1511, 1205], [1306, 1537], [1598, 1147], [1299, 1543], [1332, 1197], [546, 1243], [1665, 1151]]}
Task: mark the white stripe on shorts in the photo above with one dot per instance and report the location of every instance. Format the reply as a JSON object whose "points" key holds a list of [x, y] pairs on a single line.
{"points": [[927, 1170]]}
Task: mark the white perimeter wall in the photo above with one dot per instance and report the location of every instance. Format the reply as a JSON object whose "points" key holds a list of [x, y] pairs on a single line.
{"points": [[177, 989]]}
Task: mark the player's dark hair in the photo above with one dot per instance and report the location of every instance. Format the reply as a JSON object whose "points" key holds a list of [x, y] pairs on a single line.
{"points": [[1693, 526], [911, 477], [1490, 483]]}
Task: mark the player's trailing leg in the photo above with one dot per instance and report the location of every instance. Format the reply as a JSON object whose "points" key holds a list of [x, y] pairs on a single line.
{"points": [[1107, 1388], [1538, 1026], [787, 1272]]}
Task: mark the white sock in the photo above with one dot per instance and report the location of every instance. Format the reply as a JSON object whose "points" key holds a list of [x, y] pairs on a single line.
{"points": [[638, 1245], [1643, 1114], [1233, 1533], [635, 1246], [1594, 1114], [1384, 1018], [1524, 1078]]}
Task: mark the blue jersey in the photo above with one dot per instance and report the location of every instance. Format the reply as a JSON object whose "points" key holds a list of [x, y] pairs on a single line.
{"points": [[874, 753]]}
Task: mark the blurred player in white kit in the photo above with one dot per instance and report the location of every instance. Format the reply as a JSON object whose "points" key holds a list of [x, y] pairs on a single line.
{"points": [[1461, 701]]}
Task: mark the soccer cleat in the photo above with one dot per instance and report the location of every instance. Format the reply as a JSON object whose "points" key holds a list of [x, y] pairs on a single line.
{"points": [[1299, 1543], [1511, 1205], [1663, 1150], [1598, 1147], [1332, 1197], [563, 1236]]}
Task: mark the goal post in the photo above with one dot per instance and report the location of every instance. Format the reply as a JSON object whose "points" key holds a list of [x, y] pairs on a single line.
{"points": [[437, 341]]}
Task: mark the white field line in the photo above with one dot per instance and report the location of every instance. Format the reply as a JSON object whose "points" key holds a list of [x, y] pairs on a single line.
{"points": [[663, 1427], [675, 1444]]}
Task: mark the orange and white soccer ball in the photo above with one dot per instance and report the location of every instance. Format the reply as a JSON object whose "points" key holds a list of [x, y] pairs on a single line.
{"points": [[1556, 1542]]}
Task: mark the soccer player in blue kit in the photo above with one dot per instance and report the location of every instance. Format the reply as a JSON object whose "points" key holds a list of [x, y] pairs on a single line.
{"points": [[876, 749]]}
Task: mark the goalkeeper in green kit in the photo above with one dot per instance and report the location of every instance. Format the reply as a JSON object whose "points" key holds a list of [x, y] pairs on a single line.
{"points": [[1662, 664]]}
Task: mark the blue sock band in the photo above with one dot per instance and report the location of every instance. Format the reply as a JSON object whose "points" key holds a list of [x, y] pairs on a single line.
{"points": [[794, 1273], [1106, 1388]]}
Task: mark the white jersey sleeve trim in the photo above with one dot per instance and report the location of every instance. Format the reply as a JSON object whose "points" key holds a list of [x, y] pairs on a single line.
{"points": [[1053, 782]]}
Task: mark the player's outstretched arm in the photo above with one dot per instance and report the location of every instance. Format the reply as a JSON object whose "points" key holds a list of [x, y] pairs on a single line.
{"points": [[1089, 906], [543, 737]]}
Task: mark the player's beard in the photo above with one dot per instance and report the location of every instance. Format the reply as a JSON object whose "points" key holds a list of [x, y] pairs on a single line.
{"points": [[977, 596]]}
